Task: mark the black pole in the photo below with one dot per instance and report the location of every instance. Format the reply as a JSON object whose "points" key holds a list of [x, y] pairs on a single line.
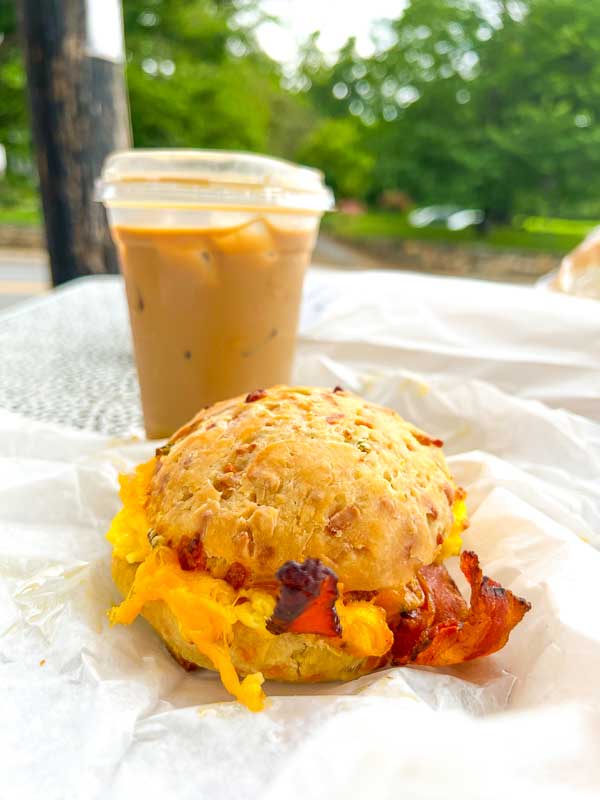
{"points": [[79, 110]]}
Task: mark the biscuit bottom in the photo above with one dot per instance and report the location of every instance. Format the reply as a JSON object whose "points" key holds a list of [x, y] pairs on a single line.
{"points": [[205, 622]]}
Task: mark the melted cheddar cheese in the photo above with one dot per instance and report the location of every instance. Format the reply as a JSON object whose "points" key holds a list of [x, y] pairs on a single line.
{"points": [[207, 608]]}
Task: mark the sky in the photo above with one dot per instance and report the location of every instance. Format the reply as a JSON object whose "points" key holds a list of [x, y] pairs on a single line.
{"points": [[336, 19]]}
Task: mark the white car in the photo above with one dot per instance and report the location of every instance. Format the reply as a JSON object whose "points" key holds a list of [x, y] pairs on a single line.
{"points": [[454, 217]]}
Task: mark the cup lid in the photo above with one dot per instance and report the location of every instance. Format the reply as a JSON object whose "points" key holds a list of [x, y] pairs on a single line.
{"points": [[209, 177]]}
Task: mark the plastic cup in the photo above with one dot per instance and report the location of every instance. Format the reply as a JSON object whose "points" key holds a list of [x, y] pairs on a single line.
{"points": [[213, 247]]}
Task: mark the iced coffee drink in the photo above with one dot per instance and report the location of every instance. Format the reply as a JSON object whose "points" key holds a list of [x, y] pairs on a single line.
{"points": [[213, 248]]}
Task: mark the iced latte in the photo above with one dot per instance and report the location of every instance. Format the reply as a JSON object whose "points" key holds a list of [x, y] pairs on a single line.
{"points": [[213, 248]]}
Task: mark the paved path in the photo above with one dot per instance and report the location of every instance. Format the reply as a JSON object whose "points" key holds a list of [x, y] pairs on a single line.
{"points": [[331, 253], [22, 273]]}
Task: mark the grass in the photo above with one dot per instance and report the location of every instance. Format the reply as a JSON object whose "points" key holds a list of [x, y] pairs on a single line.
{"points": [[20, 216], [541, 234], [19, 204], [538, 234]]}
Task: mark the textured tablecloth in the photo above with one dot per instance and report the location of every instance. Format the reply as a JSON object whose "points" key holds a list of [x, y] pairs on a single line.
{"points": [[66, 357]]}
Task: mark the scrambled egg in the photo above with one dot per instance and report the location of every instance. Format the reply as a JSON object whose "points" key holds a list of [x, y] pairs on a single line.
{"points": [[128, 532], [207, 608], [453, 541]]}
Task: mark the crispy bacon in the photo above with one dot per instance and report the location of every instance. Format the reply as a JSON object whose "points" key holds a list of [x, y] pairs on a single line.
{"points": [[409, 626], [426, 440], [444, 630], [257, 394], [357, 595], [306, 602], [237, 575], [191, 553], [442, 594]]}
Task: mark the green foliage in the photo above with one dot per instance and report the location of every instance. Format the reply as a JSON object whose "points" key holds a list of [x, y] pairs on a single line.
{"points": [[538, 96], [382, 225], [197, 78], [335, 146], [495, 105], [14, 120], [491, 104]]}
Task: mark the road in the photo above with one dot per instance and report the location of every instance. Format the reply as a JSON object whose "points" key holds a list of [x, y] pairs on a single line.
{"points": [[23, 273], [334, 254]]}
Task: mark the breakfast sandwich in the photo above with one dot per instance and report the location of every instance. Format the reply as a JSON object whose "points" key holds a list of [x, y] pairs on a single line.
{"points": [[299, 534]]}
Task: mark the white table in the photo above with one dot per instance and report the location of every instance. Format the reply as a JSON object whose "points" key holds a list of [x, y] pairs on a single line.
{"points": [[90, 711], [66, 356]]}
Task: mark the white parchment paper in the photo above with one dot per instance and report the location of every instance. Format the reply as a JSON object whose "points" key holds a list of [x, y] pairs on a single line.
{"points": [[90, 711]]}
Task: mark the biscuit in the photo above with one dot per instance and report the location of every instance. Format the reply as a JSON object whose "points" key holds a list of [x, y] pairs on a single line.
{"points": [[291, 473]]}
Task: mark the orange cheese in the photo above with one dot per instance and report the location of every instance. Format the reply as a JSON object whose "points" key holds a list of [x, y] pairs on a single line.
{"points": [[207, 608], [204, 609]]}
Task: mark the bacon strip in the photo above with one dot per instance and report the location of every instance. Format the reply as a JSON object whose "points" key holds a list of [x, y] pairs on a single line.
{"points": [[257, 394], [443, 602], [237, 575], [425, 439], [306, 602], [444, 630], [191, 553]]}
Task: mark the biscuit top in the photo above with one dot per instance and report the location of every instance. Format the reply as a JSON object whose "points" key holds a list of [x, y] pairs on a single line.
{"points": [[297, 472]]}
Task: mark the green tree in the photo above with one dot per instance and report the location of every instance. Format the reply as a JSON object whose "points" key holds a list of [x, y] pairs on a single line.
{"points": [[335, 88], [494, 104], [426, 122], [14, 121], [405, 97], [337, 143], [197, 78], [537, 98], [336, 146], [491, 104]]}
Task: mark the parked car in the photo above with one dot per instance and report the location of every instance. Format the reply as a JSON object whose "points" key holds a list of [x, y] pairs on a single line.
{"points": [[452, 217]]}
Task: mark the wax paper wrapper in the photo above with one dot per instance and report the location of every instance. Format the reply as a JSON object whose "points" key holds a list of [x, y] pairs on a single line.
{"points": [[93, 711]]}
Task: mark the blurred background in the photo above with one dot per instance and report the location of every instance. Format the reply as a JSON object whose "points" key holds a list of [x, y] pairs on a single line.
{"points": [[460, 136]]}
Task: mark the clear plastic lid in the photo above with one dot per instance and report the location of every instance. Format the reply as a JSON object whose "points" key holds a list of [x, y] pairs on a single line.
{"points": [[210, 178]]}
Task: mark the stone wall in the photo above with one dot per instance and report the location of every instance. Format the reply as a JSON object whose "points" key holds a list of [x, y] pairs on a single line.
{"points": [[473, 261], [27, 236]]}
